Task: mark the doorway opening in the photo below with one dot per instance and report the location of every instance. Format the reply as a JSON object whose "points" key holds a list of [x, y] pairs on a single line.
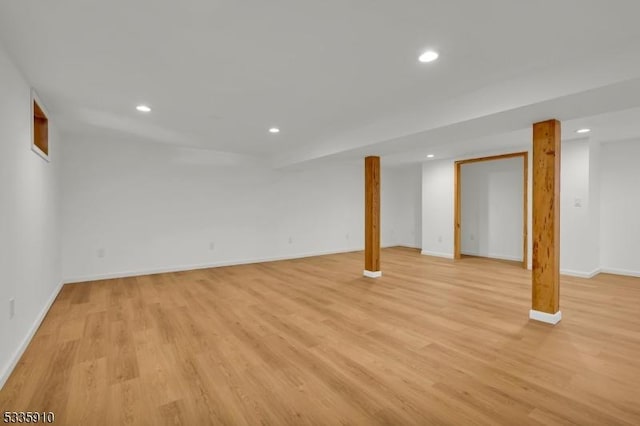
{"points": [[489, 220]]}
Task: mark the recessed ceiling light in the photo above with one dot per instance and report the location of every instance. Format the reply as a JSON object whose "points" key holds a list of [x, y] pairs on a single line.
{"points": [[583, 131], [428, 56], [274, 130], [143, 108], [430, 156]]}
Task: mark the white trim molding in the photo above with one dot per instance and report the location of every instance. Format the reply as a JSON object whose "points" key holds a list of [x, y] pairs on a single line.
{"points": [[494, 256], [580, 274], [436, 254], [372, 274], [625, 272], [545, 317], [181, 268]]}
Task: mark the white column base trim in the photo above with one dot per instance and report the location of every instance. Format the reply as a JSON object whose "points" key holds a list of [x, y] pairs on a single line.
{"points": [[371, 274], [545, 317]]}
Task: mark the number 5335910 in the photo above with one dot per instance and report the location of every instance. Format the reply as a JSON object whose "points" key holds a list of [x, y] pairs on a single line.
{"points": [[28, 417]]}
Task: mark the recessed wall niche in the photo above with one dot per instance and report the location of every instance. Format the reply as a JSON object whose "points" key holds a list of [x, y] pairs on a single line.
{"points": [[39, 128]]}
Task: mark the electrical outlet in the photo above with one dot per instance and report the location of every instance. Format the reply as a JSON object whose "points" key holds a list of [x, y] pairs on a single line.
{"points": [[101, 252], [472, 237], [347, 236], [212, 246], [290, 240], [439, 238], [12, 308]]}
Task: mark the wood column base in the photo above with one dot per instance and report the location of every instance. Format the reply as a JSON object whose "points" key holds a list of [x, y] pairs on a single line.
{"points": [[372, 274]]}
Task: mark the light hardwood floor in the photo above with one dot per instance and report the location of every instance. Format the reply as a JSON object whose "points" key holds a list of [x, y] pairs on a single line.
{"points": [[309, 341]]}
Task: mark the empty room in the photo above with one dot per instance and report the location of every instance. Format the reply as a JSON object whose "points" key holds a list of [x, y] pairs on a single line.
{"points": [[319, 213]]}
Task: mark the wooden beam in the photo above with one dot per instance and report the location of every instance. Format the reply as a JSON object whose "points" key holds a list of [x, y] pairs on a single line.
{"points": [[457, 212], [525, 212], [492, 158], [546, 222], [372, 217]]}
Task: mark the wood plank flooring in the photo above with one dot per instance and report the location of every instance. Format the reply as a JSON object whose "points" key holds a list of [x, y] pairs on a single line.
{"points": [[310, 341]]}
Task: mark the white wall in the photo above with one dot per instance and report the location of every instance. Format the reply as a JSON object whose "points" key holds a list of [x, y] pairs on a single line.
{"points": [[437, 208], [595, 202], [578, 209], [29, 236], [620, 207], [492, 208], [401, 207], [133, 208]]}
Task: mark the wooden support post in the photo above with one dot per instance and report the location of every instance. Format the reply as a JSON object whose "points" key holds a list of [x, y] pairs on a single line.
{"points": [[372, 217], [457, 212], [546, 222]]}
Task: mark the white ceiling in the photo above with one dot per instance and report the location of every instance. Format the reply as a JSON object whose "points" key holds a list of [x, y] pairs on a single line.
{"points": [[339, 77]]}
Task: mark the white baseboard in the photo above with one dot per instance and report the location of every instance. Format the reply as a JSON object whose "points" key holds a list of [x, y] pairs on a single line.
{"points": [[616, 271], [505, 257], [580, 274], [13, 361], [494, 256], [545, 317], [436, 254], [181, 268], [400, 245], [372, 274], [413, 246]]}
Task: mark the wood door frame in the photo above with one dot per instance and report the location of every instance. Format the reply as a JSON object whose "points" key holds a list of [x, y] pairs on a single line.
{"points": [[457, 211]]}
